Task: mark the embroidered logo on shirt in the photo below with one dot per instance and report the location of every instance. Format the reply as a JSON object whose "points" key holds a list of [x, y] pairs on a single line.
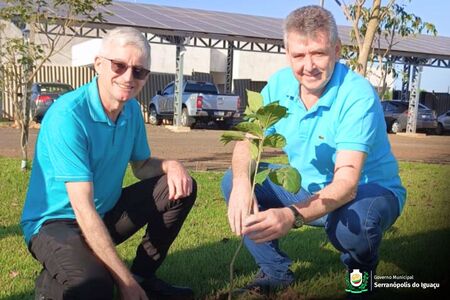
{"points": [[321, 137]]}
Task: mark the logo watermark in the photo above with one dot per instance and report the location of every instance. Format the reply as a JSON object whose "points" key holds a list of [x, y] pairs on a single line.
{"points": [[357, 282]]}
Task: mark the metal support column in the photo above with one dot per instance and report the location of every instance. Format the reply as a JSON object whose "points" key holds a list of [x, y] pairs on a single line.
{"points": [[178, 83], [414, 100], [229, 75], [405, 82]]}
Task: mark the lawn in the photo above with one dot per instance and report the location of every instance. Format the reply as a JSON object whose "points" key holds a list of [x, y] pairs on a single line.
{"points": [[417, 245]]}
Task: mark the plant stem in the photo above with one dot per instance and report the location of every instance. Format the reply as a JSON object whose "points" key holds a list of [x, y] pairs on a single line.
{"points": [[232, 267], [249, 210]]}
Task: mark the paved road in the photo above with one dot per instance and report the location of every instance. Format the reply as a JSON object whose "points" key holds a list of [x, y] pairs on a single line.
{"points": [[201, 149]]}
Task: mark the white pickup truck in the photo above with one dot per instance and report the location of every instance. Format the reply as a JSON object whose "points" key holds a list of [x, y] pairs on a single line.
{"points": [[201, 102]]}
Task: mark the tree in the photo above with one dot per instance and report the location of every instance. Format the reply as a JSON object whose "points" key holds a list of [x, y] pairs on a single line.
{"points": [[22, 57], [397, 25], [365, 23], [387, 25]]}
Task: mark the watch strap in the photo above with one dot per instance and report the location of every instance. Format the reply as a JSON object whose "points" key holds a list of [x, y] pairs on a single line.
{"points": [[299, 220]]}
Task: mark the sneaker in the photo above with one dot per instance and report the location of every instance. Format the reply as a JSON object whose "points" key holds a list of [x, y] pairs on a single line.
{"points": [[263, 284], [156, 288]]}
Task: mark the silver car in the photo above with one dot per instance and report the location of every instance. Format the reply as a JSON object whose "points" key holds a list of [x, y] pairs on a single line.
{"points": [[396, 116], [443, 123]]}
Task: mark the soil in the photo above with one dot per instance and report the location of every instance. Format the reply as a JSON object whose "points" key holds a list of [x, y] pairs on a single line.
{"points": [[201, 149]]}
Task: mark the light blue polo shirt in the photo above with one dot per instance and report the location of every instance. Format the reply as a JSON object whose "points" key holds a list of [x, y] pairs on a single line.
{"points": [[348, 116], [78, 142]]}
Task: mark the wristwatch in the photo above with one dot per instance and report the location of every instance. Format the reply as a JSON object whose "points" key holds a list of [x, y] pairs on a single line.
{"points": [[299, 220]]}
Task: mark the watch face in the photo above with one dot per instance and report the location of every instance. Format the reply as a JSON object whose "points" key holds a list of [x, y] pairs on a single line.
{"points": [[298, 222]]}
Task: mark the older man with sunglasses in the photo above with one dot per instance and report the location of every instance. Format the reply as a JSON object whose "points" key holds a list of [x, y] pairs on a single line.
{"points": [[76, 210]]}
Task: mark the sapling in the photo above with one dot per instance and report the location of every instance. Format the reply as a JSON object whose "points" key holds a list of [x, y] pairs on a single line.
{"points": [[258, 118]]}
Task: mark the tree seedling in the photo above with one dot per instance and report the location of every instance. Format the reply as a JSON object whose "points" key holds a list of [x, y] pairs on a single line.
{"points": [[258, 118]]}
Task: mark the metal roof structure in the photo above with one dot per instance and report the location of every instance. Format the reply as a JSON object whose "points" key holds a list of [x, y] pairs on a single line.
{"points": [[213, 29]]}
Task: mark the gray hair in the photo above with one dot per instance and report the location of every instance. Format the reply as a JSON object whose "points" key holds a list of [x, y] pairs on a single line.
{"points": [[125, 36], [309, 21]]}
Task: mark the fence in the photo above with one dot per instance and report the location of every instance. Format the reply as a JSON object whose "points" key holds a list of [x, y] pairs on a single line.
{"points": [[77, 76], [439, 102], [240, 85]]}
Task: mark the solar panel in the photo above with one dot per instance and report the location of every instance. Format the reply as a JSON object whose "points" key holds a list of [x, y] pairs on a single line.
{"points": [[234, 25], [153, 18], [196, 20]]}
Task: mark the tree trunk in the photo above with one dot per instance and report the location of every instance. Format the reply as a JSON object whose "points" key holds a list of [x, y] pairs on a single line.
{"points": [[372, 27], [24, 129], [26, 120], [383, 84]]}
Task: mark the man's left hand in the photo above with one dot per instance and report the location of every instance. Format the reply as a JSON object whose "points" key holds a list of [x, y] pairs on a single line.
{"points": [[268, 225], [178, 179]]}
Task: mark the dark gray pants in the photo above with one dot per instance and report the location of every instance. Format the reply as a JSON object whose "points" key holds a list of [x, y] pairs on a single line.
{"points": [[70, 268]]}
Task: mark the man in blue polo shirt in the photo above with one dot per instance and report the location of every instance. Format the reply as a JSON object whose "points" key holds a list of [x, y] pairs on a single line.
{"points": [[336, 138], [76, 210]]}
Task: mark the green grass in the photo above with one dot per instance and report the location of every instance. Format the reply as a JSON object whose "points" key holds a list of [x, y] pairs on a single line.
{"points": [[418, 243]]}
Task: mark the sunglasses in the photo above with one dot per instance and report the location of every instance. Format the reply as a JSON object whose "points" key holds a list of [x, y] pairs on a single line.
{"points": [[120, 67]]}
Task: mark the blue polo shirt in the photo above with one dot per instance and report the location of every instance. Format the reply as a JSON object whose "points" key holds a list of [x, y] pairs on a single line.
{"points": [[348, 116], [78, 142]]}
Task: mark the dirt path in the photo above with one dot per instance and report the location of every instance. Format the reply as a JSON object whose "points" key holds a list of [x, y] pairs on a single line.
{"points": [[201, 149]]}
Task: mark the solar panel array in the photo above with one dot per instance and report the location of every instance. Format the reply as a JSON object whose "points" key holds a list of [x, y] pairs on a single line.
{"points": [[193, 20], [218, 24], [222, 25]]}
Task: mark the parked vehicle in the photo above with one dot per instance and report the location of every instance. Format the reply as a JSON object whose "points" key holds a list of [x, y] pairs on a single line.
{"points": [[443, 123], [43, 94], [201, 102], [396, 116]]}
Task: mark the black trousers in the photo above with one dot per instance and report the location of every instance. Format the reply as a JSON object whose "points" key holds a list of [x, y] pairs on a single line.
{"points": [[70, 268]]}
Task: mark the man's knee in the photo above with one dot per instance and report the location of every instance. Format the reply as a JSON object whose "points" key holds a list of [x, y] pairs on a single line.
{"points": [[226, 184], [161, 191], [349, 233]]}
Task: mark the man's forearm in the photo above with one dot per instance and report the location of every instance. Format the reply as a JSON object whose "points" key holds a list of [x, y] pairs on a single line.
{"points": [[101, 244], [240, 163], [95, 232], [341, 190], [333, 196]]}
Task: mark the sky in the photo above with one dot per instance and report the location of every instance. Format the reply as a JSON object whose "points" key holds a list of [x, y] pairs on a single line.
{"points": [[433, 11]]}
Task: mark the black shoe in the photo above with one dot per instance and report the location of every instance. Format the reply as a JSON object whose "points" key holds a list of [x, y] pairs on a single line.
{"points": [[264, 285], [156, 288]]}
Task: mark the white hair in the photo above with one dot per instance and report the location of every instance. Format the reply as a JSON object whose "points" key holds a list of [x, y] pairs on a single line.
{"points": [[124, 36]]}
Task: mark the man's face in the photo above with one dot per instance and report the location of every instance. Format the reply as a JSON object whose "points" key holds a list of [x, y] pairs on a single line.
{"points": [[312, 60], [115, 86]]}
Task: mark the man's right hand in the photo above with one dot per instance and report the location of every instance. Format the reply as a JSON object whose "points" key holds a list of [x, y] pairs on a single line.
{"points": [[239, 204], [132, 290]]}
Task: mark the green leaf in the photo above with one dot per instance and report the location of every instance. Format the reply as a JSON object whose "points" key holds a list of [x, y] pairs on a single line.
{"points": [[261, 176], [288, 178], [231, 136], [250, 127], [250, 117], [255, 100], [270, 114], [275, 140], [248, 111]]}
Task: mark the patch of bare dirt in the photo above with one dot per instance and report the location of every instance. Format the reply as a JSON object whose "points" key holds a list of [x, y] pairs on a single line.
{"points": [[201, 149]]}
